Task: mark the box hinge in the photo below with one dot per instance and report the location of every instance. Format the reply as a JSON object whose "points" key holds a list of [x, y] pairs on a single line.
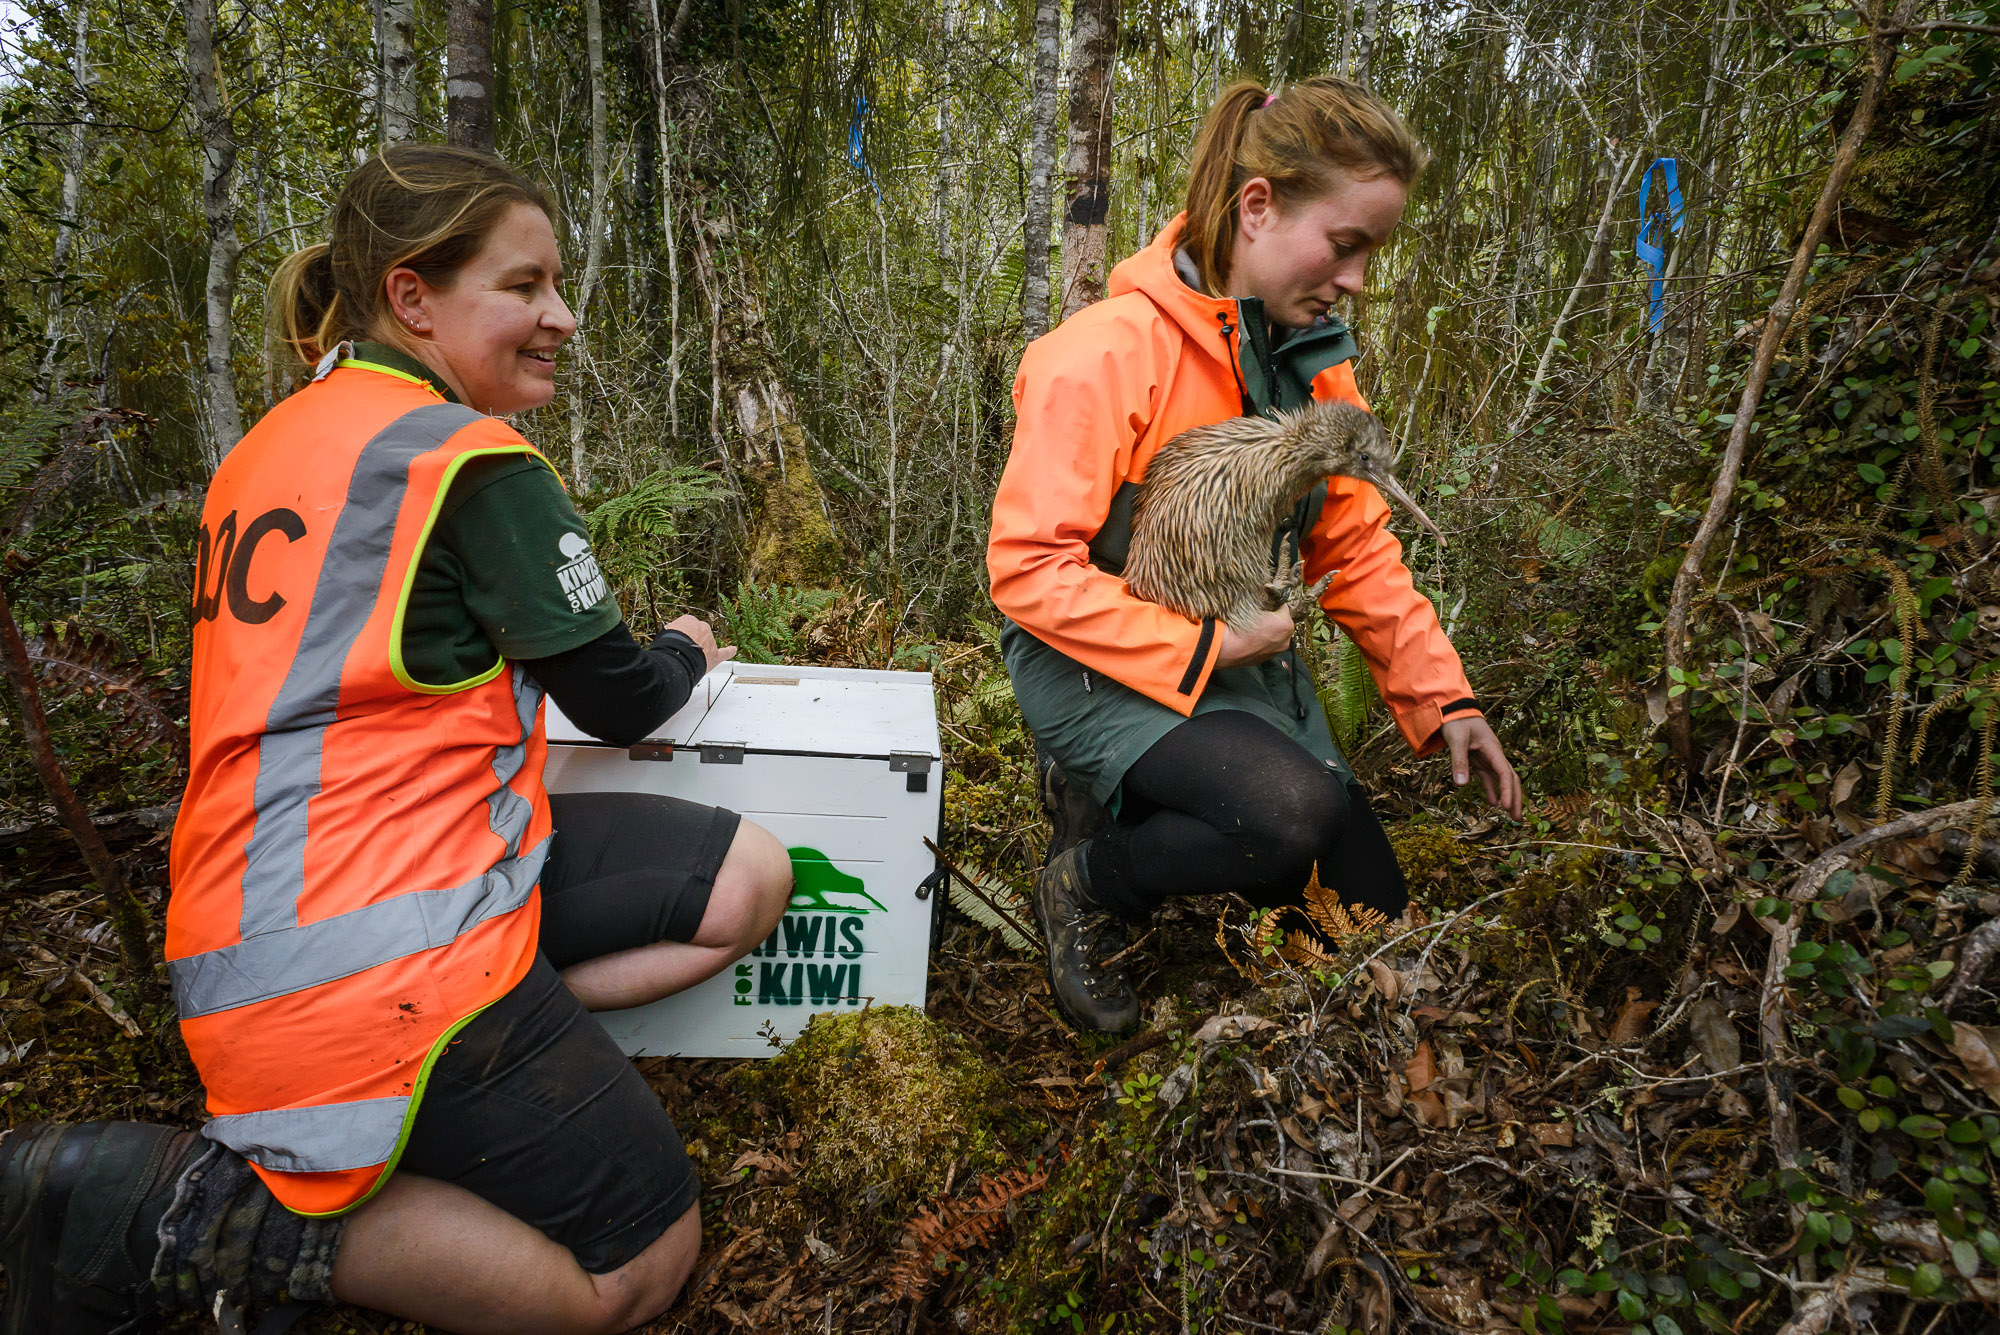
{"points": [[721, 753], [652, 751], [916, 764]]}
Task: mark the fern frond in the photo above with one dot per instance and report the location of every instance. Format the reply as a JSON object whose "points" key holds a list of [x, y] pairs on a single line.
{"points": [[1353, 695], [982, 913], [650, 508], [87, 662], [940, 1231], [1336, 921]]}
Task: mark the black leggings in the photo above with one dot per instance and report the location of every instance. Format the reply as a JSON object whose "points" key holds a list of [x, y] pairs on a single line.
{"points": [[1226, 802]]}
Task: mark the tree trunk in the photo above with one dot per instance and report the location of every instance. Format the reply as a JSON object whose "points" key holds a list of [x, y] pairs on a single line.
{"points": [[396, 69], [1041, 172], [75, 147], [793, 541], [468, 73], [662, 48], [1883, 42], [593, 261], [941, 206], [1364, 59], [1621, 175], [218, 190], [1289, 37], [128, 915], [1093, 49]]}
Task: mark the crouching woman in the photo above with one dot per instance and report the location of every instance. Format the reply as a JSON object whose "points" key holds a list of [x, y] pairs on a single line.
{"points": [[1181, 757], [384, 936]]}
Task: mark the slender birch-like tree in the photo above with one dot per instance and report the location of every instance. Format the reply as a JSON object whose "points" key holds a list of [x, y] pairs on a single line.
{"points": [[1087, 165], [396, 69], [1041, 171], [218, 200], [468, 73], [593, 262]]}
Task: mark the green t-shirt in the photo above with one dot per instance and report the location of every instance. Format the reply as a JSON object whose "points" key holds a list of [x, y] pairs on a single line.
{"points": [[507, 571]]}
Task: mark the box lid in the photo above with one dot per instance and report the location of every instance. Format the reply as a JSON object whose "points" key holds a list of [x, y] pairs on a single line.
{"points": [[800, 710]]}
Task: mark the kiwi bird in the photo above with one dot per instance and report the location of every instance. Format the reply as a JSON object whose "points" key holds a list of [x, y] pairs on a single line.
{"points": [[1213, 496]]}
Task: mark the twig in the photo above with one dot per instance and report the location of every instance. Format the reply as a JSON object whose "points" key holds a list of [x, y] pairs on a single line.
{"points": [[1972, 962], [1723, 493], [97, 994], [978, 893], [1335, 1177]]}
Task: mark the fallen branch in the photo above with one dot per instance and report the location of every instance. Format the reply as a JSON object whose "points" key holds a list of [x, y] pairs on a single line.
{"points": [[1774, 1032], [90, 987], [128, 916], [1882, 50], [1816, 1313]]}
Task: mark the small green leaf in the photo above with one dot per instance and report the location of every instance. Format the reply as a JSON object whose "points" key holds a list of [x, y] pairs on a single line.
{"points": [[1921, 1126]]}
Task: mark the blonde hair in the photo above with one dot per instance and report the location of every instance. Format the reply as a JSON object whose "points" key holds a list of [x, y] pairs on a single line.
{"points": [[425, 207], [1301, 141]]}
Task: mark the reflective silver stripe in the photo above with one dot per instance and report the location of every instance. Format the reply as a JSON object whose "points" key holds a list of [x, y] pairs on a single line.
{"points": [[350, 583], [328, 1138], [296, 958], [508, 813]]}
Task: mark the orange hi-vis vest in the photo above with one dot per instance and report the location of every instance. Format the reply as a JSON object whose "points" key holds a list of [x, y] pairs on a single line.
{"points": [[356, 860]]}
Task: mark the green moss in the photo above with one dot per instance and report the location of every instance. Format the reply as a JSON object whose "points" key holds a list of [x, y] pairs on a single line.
{"points": [[1914, 184], [1436, 861], [795, 543], [888, 1101]]}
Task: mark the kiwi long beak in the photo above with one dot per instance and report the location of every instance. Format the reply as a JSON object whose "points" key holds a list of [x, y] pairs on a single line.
{"points": [[1387, 484]]}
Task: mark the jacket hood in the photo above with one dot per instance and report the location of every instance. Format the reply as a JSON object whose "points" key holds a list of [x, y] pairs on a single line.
{"points": [[1151, 271]]}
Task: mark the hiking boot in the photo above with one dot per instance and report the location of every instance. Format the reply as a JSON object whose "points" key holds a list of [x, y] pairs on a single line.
{"points": [[1074, 815], [79, 1210], [1081, 938]]}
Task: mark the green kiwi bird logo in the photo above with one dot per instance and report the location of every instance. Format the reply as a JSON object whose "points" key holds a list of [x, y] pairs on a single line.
{"points": [[820, 887]]}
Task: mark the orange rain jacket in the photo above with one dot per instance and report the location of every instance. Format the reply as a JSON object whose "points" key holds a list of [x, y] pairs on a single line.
{"points": [[1095, 399]]}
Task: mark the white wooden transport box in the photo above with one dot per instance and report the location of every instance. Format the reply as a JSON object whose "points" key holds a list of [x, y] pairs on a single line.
{"points": [[844, 767]]}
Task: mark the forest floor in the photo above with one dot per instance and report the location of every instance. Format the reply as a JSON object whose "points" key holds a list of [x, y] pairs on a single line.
{"points": [[1451, 1125]]}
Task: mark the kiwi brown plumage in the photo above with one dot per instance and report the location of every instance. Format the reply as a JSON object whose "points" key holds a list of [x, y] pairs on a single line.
{"points": [[1213, 496]]}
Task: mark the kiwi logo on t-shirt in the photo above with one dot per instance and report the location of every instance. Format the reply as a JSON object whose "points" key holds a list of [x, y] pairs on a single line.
{"points": [[581, 579]]}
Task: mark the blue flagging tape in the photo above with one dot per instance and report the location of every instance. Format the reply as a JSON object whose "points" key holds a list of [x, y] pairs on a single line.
{"points": [[1666, 215], [857, 129]]}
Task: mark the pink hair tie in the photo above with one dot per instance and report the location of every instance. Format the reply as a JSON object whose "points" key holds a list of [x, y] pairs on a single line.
{"points": [[1268, 100]]}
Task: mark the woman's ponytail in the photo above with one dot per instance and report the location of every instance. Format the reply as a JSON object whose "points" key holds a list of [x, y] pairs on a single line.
{"points": [[1210, 233], [1301, 141], [303, 305]]}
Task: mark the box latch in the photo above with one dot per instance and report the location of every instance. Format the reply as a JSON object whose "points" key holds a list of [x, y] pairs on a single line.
{"points": [[652, 751], [721, 753], [916, 764]]}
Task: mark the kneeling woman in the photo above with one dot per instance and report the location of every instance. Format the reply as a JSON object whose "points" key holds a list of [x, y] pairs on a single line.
{"points": [[1210, 745], [384, 935]]}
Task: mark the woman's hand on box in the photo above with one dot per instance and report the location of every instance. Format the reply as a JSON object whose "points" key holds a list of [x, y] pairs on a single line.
{"points": [[703, 635]]}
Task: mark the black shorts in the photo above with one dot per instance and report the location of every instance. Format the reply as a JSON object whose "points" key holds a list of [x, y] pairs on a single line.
{"points": [[532, 1106]]}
